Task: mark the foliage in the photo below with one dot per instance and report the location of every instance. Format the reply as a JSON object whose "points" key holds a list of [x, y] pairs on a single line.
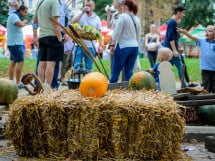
{"points": [[159, 11], [198, 12], [100, 8], [29, 17], [4, 12]]}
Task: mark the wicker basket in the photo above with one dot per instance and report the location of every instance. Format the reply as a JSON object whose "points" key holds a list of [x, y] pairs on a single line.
{"points": [[87, 36], [191, 115]]}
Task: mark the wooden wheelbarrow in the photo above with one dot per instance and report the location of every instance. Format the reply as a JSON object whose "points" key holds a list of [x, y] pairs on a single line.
{"points": [[32, 84]]}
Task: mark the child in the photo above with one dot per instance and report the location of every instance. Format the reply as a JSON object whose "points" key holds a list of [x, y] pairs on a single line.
{"points": [[207, 57], [164, 54]]}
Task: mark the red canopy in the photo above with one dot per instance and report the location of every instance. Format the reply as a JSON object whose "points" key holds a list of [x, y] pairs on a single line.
{"points": [[162, 30], [103, 23], [3, 30], [105, 31]]}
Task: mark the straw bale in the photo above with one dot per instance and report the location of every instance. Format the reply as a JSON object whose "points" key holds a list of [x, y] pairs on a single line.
{"points": [[122, 125]]}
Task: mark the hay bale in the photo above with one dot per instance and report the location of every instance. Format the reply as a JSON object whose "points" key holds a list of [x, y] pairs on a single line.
{"points": [[122, 125]]}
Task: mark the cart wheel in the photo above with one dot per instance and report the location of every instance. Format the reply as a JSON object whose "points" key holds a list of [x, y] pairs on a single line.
{"points": [[28, 80]]}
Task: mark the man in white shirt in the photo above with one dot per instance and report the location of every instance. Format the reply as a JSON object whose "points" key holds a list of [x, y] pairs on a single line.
{"points": [[87, 17]]}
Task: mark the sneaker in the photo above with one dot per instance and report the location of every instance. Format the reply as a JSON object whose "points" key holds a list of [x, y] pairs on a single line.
{"points": [[192, 85], [20, 86]]}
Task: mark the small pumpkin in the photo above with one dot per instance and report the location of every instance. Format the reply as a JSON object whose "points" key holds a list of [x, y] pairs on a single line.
{"points": [[206, 114], [8, 91], [93, 84], [142, 80]]}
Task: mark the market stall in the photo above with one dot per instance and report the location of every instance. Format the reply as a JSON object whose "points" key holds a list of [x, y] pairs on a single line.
{"points": [[3, 31]]}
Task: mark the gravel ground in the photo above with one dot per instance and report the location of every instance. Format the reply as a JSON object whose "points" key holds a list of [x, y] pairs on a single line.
{"points": [[193, 149], [197, 151]]}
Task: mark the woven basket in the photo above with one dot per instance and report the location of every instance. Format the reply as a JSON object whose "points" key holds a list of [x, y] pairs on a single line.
{"points": [[191, 115], [87, 36]]}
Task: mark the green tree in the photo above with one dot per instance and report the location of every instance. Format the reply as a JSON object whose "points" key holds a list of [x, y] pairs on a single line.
{"points": [[100, 7], [4, 12], [198, 12]]}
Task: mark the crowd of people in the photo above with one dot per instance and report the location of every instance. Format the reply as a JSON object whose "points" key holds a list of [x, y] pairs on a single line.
{"points": [[57, 53]]}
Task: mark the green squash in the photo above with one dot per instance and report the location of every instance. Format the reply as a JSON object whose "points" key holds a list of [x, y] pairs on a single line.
{"points": [[142, 80], [206, 114], [8, 91]]}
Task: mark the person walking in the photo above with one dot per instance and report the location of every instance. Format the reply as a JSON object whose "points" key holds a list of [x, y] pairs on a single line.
{"points": [[172, 38], [152, 42], [126, 37], [15, 43], [50, 38], [87, 17]]}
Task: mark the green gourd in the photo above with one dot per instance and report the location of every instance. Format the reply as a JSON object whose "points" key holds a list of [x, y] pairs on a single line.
{"points": [[206, 114], [8, 91], [142, 80]]}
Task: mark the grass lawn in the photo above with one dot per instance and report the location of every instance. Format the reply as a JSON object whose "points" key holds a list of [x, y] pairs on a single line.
{"points": [[29, 66]]}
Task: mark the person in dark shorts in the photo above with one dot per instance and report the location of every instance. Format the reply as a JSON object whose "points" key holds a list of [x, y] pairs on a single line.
{"points": [[64, 20], [15, 43], [50, 39]]}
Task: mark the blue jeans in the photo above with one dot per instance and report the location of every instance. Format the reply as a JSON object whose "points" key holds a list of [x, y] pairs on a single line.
{"points": [[55, 83], [78, 58], [152, 56], [123, 58], [178, 63]]}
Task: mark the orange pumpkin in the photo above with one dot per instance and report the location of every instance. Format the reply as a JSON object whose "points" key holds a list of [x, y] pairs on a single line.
{"points": [[93, 84]]}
